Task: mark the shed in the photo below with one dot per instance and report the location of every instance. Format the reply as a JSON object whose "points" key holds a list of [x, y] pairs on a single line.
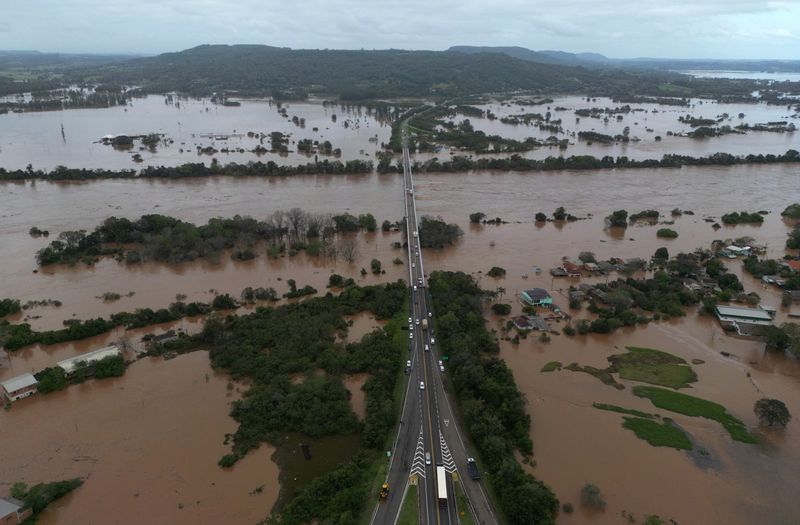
{"points": [[69, 365], [18, 387]]}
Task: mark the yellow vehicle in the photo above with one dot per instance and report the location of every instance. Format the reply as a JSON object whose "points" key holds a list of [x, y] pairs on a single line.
{"points": [[384, 492]]}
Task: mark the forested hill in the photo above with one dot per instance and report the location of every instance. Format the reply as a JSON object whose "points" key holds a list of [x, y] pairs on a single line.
{"points": [[354, 75]]}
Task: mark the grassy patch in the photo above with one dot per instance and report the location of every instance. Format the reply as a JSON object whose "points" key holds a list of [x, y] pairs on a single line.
{"points": [[409, 514], [621, 410], [552, 366], [658, 434], [696, 407], [653, 366], [602, 374], [465, 516]]}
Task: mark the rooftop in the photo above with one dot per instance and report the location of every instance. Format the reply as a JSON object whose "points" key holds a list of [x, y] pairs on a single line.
{"points": [[537, 293], [69, 364], [17, 383], [10, 505], [742, 312]]}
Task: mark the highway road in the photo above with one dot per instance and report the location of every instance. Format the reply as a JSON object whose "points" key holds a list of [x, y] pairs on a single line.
{"points": [[428, 450]]}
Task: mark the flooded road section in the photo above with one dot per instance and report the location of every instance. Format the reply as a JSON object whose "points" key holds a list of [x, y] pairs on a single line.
{"points": [[574, 443], [39, 138], [147, 445]]}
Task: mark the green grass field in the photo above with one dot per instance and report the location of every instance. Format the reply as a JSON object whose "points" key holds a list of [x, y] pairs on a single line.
{"points": [[621, 410], [658, 434], [409, 514], [654, 367], [696, 407], [552, 366]]}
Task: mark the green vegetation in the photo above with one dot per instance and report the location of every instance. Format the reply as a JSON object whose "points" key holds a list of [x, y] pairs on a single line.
{"points": [[696, 407], [496, 271], [271, 344], [109, 366], [604, 374], [501, 309], [793, 242], [455, 164], [666, 233], [435, 233], [409, 512], [792, 211], [561, 215], [662, 254], [516, 162], [9, 306], [167, 239], [16, 336], [591, 497], [785, 337], [742, 218], [375, 264], [621, 410], [653, 366], [477, 217], [51, 380], [618, 219], [39, 496], [464, 515], [492, 406], [650, 215], [663, 434], [551, 366], [772, 412]]}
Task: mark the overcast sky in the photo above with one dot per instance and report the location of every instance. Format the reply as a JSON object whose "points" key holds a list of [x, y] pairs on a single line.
{"points": [[616, 28]]}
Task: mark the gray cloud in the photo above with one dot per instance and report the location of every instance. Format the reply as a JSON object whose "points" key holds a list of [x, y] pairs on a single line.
{"points": [[624, 28]]}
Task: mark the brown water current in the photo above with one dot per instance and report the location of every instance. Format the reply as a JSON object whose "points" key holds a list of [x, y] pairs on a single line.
{"points": [[141, 431], [147, 445]]}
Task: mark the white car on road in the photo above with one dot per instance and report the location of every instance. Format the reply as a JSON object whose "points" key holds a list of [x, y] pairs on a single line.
{"points": [[422, 385]]}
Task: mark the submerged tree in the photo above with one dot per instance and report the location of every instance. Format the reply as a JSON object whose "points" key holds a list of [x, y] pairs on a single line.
{"points": [[772, 412]]}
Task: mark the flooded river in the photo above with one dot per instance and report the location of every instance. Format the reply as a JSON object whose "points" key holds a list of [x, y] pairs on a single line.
{"points": [[149, 442], [147, 445]]}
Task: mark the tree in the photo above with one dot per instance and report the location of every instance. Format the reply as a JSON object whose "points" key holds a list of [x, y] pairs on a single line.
{"points": [[772, 412], [666, 233], [496, 271], [368, 222], [109, 366], [501, 309], [662, 254], [376, 266], [541, 217], [560, 214], [617, 219], [729, 281], [591, 497], [347, 247], [587, 257], [477, 217]]}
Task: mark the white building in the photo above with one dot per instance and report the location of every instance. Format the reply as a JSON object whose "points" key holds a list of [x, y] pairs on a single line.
{"points": [[69, 365], [18, 387]]}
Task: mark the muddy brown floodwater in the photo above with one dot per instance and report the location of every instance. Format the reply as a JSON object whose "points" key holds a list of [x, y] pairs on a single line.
{"points": [[736, 484], [37, 138], [147, 445]]}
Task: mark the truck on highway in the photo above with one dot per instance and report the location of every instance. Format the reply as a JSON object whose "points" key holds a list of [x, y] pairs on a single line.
{"points": [[441, 485], [474, 473], [425, 324]]}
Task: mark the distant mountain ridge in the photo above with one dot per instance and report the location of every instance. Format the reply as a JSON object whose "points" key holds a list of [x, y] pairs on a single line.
{"points": [[545, 57], [598, 60]]}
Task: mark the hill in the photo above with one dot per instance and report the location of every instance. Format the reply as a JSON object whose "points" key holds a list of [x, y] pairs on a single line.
{"points": [[356, 75]]}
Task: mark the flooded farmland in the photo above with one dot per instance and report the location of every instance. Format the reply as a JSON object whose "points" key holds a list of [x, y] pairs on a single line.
{"points": [[162, 425]]}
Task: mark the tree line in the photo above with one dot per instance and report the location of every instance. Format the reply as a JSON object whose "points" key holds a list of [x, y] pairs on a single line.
{"points": [[492, 406], [167, 239]]}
